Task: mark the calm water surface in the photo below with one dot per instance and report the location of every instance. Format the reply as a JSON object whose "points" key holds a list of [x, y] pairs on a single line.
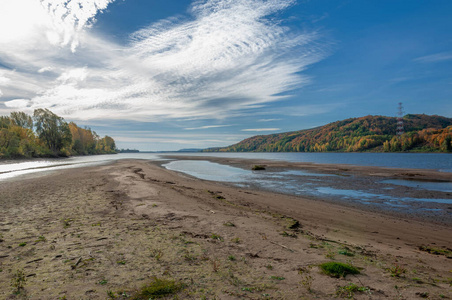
{"points": [[435, 161], [294, 182]]}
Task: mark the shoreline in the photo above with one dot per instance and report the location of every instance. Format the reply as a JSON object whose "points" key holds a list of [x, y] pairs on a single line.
{"points": [[103, 228], [357, 178]]}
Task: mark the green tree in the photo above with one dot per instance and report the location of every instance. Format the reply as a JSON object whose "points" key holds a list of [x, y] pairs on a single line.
{"points": [[52, 130], [21, 119]]}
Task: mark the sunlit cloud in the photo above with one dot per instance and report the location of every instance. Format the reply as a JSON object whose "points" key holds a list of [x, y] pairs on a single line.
{"points": [[268, 120], [229, 56], [45, 69], [17, 103], [207, 127]]}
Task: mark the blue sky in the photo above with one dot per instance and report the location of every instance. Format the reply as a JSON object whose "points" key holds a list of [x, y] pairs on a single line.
{"points": [[172, 74]]}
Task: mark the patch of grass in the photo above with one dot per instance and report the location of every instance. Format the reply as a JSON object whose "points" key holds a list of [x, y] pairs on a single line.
{"points": [[121, 262], [157, 254], [396, 270], [346, 251], [292, 224], [231, 257], [235, 240], [288, 234], [349, 290], [67, 222], [18, 282], [111, 295], [216, 237], [330, 254], [315, 246], [41, 239], [277, 278], [103, 282], [306, 281], [437, 251], [22, 244], [337, 269], [270, 267], [229, 224], [190, 257], [417, 280], [158, 288], [258, 168]]}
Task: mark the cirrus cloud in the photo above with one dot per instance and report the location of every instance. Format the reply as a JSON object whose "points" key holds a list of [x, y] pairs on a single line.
{"points": [[227, 56]]}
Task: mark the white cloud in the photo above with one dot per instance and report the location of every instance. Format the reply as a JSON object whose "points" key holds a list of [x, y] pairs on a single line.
{"points": [[74, 75], [262, 129], [1, 93], [437, 57], [17, 103], [59, 22], [45, 69], [268, 120], [229, 57], [207, 127]]}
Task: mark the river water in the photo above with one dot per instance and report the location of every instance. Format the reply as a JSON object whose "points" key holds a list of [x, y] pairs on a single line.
{"points": [[433, 198]]}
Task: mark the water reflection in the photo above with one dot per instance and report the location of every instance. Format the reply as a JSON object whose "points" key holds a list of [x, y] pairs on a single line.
{"points": [[299, 182], [209, 171]]}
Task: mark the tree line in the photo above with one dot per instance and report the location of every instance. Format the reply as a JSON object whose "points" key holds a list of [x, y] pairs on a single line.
{"points": [[423, 133], [47, 135]]}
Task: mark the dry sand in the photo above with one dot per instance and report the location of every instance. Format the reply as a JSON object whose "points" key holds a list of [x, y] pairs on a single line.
{"points": [[104, 232]]}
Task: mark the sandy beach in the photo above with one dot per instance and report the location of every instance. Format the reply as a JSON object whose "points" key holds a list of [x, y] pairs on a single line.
{"points": [[105, 232]]}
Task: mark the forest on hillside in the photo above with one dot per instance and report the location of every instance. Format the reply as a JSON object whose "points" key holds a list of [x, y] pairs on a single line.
{"points": [[47, 135], [422, 133]]}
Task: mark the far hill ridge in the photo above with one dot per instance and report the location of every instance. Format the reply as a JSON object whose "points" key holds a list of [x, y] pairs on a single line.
{"points": [[422, 133]]}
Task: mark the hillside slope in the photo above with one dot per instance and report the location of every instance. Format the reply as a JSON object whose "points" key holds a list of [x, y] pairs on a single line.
{"points": [[423, 133]]}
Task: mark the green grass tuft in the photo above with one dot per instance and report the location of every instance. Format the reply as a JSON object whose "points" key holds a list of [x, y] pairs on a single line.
{"points": [[158, 288], [349, 290], [337, 269]]}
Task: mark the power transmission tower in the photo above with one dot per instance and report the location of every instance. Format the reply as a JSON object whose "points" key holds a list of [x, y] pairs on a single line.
{"points": [[400, 120]]}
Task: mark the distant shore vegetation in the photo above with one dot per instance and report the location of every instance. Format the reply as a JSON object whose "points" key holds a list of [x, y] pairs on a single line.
{"points": [[47, 135], [422, 133]]}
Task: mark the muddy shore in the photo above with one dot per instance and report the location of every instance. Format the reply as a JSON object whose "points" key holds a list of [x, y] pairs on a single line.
{"points": [[105, 232]]}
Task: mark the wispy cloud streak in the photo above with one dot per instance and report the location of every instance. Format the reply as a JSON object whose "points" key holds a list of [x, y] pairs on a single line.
{"points": [[228, 56], [433, 58]]}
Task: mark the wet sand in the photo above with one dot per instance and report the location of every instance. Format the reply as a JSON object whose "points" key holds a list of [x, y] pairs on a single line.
{"points": [[95, 233], [360, 187]]}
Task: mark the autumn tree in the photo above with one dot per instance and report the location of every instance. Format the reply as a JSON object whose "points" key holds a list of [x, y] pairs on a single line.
{"points": [[52, 130]]}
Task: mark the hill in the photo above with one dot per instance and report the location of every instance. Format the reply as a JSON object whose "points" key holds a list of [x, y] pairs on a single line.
{"points": [[423, 133]]}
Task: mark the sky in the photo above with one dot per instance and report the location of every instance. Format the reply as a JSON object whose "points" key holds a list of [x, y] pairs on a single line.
{"points": [[174, 74]]}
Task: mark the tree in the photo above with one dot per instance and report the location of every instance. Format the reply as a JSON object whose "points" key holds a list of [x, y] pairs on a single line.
{"points": [[52, 130], [21, 119]]}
